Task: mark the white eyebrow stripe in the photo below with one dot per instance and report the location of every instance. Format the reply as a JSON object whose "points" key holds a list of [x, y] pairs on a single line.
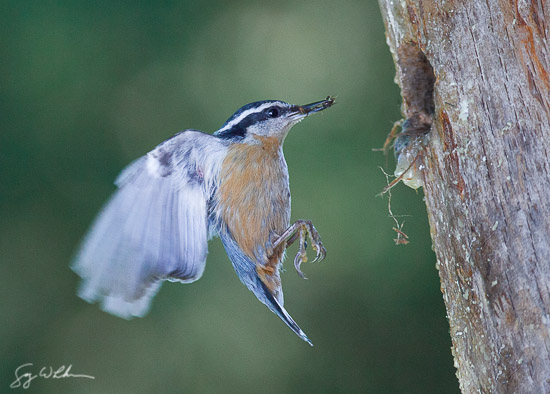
{"points": [[245, 114]]}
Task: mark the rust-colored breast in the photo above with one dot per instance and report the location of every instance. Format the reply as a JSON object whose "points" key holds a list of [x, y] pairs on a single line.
{"points": [[254, 199]]}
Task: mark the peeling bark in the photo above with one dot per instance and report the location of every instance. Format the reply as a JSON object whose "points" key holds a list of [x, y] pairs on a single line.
{"points": [[478, 71]]}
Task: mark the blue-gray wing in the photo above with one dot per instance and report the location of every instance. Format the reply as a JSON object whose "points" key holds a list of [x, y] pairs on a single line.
{"points": [[154, 228]]}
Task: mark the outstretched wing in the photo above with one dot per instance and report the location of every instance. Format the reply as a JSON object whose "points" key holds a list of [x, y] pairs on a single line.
{"points": [[154, 227]]}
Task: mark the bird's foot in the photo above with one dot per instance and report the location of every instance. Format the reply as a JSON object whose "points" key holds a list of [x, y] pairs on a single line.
{"points": [[302, 229]]}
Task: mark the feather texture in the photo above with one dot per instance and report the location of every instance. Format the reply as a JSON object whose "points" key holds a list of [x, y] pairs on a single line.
{"points": [[156, 226], [153, 228], [253, 207]]}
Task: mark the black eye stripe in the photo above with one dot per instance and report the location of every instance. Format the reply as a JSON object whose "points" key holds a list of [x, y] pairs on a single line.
{"points": [[255, 104], [239, 130]]}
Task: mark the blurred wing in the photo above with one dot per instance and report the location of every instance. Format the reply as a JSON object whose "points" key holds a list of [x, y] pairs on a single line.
{"points": [[153, 228]]}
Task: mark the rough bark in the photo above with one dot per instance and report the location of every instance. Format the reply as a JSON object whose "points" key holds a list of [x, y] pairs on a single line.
{"points": [[476, 73]]}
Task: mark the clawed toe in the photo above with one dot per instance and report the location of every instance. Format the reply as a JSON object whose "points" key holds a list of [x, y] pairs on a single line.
{"points": [[308, 230], [302, 229], [298, 260], [320, 250]]}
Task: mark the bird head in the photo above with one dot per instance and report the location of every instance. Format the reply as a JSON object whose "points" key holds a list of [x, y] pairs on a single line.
{"points": [[268, 118]]}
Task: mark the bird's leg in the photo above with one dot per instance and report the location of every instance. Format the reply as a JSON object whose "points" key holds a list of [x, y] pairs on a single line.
{"points": [[292, 238], [301, 229]]}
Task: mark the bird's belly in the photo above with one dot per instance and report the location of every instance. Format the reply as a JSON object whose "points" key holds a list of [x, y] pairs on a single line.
{"points": [[254, 202]]}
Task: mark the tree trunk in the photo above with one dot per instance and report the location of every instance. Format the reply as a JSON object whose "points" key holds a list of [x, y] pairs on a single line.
{"points": [[475, 84]]}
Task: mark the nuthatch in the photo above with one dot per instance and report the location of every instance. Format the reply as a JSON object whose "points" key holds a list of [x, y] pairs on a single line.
{"points": [[233, 183]]}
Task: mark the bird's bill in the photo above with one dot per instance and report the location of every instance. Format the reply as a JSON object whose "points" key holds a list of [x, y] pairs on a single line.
{"points": [[305, 110]]}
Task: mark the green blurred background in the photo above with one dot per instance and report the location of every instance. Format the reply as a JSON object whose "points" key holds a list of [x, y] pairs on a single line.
{"points": [[86, 87]]}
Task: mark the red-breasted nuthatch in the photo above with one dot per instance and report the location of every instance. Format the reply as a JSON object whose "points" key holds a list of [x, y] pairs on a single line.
{"points": [[233, 183]]}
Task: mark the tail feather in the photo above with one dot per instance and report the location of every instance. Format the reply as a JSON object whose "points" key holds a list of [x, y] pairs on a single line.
{"points": [[246, 271], [280, 311]]}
